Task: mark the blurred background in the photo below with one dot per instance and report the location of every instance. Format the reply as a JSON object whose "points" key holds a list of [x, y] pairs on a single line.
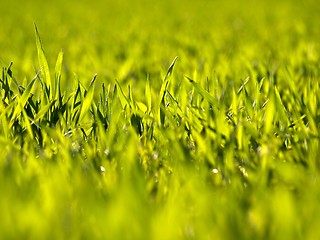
{"points": [[128, 39]]}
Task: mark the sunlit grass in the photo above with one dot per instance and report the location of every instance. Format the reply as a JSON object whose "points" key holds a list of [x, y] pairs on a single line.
{"points": [[221, 142]]}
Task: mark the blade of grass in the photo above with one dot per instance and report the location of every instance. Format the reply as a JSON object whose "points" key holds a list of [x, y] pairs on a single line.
{"points": [[207, 96], [44, 110], [27, 123], [23, 99], [122, 97], [43, 65], [163, 89], [87, 101], [170, 69], [58, 69], [148, 94], [4, 121]]}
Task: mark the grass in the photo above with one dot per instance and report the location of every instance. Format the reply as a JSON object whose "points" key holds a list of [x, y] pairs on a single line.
{"points": [[115, 137]]}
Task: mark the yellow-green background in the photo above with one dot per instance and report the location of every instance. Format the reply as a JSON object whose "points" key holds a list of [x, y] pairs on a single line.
{"points": [[56, 193]]}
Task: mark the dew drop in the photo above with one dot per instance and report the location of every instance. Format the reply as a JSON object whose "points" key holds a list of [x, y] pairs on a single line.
{"points": [[215, 171]]}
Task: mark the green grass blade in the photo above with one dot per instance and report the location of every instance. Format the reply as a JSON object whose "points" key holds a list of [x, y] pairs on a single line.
{"points": [[269, 114], [163, 89], [122, 97], [165, 83], [23, 99], [207, 96], [43, 64], [26, 93], [58, 69], [44, 110], [148, 94], [88, 99], [27, 123], [4, 121], [170, 69], [281, 110]]}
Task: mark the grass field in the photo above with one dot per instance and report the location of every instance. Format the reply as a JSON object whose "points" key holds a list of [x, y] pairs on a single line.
{"points": [[159, 120]]}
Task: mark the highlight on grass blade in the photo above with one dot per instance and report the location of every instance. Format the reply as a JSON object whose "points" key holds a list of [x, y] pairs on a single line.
{"points": [[270, 112], [88, 99], [206, 95], [23, 99], [170, 69], [44, 110], [43, 64], [122, 97], [148, 94], [165, 82], [58, 69], [163, 90]]}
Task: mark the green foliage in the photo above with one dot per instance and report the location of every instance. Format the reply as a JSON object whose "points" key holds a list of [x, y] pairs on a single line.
{"points": [[221, 143]]}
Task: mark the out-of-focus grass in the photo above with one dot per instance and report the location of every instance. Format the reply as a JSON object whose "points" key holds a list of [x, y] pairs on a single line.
{"points": [[223, 143]]}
